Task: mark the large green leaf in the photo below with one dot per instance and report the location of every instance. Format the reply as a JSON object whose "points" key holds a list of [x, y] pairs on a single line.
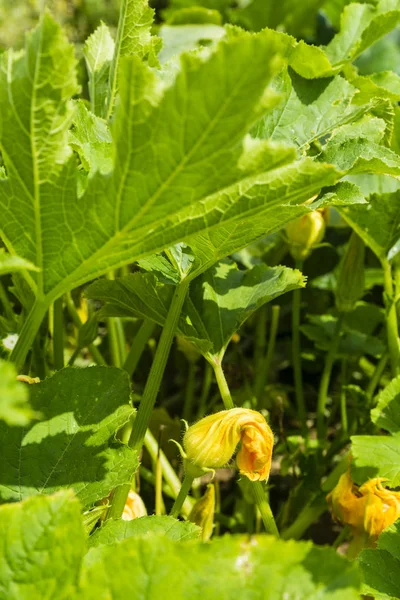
{"points": [[194, 175], [35, 113], [260, 567], [73, 446], [14, 406], [380, 567], [42, 542], [219, 300], [116, 531]]}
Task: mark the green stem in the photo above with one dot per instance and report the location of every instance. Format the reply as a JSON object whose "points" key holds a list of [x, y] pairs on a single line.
{"points": [[205, 391], [116, 357], [296, 356], [138, 345], [189, 392], [257, 488], [169, 474], [326, 377], [264, 508], [343, 402], [8, 309], [391, 318], [317, 504], [28, 333], [183, 492], [151, 390], [116, 336], [260, 338], [74, 356], [376, 377], [159, 503], [223, 387], [265, 365], [58, 334], [307, 516]]}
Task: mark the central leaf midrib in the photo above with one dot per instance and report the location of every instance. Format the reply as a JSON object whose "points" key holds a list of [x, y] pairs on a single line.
{"points": [[36, 188]]}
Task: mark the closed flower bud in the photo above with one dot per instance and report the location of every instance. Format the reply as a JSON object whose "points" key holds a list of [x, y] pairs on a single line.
{"points": [[306, 232], [212, 441], [202, 513], [351, 281], [367, 509], [134, 507]]}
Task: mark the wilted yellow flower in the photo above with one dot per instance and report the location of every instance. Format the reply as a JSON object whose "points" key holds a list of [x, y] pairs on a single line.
{"points": [[211, 442], [368, 509], [134, 507]]}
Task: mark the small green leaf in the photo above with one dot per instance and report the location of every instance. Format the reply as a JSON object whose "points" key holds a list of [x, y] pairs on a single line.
{"points": [[91, 139], [98, 52], [219, 300], [116, 531], [73, 446], [321, 330], [14, 405], [42, 543], [380, 567], [386, 414]]}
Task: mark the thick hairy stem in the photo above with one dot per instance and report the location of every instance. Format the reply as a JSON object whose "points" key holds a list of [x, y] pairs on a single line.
{"points": [[151, 389]]}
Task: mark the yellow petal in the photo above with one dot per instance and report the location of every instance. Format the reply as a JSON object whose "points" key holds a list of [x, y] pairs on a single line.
{"points": [[212, 442]]}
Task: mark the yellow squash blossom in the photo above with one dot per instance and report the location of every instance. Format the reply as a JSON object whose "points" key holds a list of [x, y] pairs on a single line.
{"points": [[367, 509], [211, 442]]}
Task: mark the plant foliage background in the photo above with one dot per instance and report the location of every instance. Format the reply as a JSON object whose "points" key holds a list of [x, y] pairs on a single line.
{"points": [[151, 158]]}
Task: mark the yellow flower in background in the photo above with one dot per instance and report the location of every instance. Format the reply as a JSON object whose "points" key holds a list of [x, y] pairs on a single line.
{"points": [[134, 507], [367, 509], [212, 441], [305, 232]]}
